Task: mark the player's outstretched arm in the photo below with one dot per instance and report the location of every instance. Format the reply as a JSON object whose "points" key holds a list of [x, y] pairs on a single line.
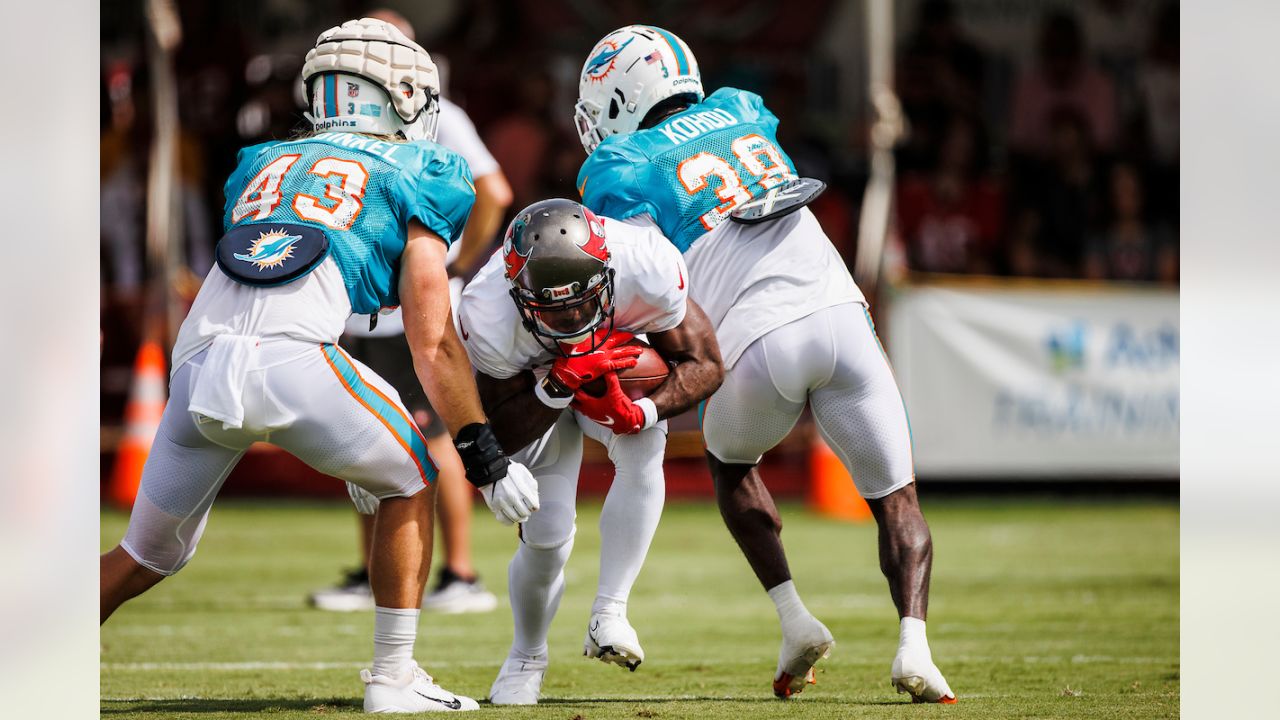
{"points": [[439, 359], [698, 372], [518, 416], [444, 370]]}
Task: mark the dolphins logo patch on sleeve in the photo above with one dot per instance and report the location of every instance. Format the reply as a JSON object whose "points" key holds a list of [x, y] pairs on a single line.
{"points": [[270, 250]]}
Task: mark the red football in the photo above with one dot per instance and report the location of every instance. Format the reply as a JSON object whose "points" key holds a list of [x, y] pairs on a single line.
{"points": [[637, 382]]}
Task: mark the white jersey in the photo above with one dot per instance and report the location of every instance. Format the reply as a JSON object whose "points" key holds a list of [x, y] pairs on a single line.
{"points": [[649, 296], [312, 309], [457, 133], [751, 279]]}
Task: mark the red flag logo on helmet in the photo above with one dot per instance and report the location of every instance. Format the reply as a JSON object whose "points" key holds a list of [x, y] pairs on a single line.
{"points": [[594, 245], [513, 243]]}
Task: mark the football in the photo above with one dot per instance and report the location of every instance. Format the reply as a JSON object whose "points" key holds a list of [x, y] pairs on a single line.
{"points": [[637, 382]]}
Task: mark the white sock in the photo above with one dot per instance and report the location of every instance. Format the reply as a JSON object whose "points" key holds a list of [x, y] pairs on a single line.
{"points": [[911, 636], [536, 583], [630, 516], [791, 609], [394, 630]]}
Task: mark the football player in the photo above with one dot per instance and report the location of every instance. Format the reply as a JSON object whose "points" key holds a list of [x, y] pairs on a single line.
{"points": [[794, 329], [458, 588], [582, 286], [353, 217]]}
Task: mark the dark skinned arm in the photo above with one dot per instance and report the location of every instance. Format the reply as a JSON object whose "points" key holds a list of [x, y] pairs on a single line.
{"points": [[517, 415], [698, 372]]}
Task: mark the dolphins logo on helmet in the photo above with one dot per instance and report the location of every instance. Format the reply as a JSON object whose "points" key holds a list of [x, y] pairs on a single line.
{"points": [[603, 58]]}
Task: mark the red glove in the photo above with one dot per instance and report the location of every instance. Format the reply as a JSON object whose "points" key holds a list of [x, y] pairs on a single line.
{"points": [[614, 409], [571, 373]]}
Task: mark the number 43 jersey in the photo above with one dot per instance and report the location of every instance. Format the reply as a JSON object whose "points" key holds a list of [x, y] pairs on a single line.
{"points": [[686, 175], [362, 193]]}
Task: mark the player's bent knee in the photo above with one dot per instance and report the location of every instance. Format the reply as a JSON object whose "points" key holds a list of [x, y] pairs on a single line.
{"points": [[551, 527]]}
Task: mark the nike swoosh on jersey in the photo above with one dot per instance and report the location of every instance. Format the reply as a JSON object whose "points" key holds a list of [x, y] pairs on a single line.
{"points": [[463, 328], [454, 704], [681, 287]]}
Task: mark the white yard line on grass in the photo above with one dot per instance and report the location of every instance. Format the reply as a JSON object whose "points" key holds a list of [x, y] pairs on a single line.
{"points": [[353, 665]]}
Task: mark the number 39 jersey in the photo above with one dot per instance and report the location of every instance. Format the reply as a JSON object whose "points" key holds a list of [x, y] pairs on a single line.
{"points": [[362, 193], [686, 175]]}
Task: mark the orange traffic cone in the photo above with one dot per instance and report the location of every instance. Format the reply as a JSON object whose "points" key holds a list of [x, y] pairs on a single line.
{"points": [[142, 420], [831, 489]]}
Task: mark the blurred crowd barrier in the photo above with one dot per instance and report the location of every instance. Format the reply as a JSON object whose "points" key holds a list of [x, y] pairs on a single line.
{"points": [[1011, 379]]}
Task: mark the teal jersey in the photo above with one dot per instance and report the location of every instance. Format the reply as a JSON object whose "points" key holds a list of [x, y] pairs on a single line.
{"points": [[691, 170], [361, 193]]}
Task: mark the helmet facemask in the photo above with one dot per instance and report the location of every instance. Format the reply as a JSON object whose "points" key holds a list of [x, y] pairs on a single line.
{"points": [[559, 326]]}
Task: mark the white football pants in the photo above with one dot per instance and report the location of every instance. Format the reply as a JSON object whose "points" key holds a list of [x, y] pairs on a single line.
{"points": [[315, 401], [833, 361]]}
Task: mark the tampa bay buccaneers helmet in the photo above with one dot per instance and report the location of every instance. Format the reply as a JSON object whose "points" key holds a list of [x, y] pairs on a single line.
{"points": [[558, 265]]}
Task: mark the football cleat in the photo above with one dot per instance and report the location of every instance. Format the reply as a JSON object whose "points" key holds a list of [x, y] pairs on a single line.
{"points": [[352, 594], [519, 681], [454, 594], [414, 691], [800, 652], [915, 674], [612, 639]]}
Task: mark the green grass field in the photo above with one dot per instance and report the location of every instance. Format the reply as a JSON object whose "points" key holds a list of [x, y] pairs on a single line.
{"points": [[1040, 609]]}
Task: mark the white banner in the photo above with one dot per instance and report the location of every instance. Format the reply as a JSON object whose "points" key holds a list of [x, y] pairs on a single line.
{"points": [[1054, 380]]}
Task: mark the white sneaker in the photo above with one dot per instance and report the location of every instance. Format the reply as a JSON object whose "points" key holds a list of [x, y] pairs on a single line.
{"points": [[519, 682], [412, 692], [914, 673], [802, 648], [456, 595], [351, 595], [612, 639]]}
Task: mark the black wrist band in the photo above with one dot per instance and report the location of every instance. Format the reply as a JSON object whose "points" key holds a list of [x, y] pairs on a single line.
{"points": [[553, 388], [481, 454]]}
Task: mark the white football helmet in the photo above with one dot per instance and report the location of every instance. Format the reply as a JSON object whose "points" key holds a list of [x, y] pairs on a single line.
{"points": [[367, 76], [628, 72]]}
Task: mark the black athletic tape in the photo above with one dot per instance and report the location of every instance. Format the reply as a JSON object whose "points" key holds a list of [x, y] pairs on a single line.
{"points": [[481, 454]]}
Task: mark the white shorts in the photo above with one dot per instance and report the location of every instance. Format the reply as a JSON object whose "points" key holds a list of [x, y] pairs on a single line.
{"points": [[833, 361], [556, 458], [315, 401]]}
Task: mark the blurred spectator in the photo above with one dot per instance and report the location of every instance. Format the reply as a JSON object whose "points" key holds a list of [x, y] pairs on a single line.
{"points": [[1158, 91], [940, 76], [521, 141], [1062, 80], [1058, 203], [1129, 247], [951, 218]]}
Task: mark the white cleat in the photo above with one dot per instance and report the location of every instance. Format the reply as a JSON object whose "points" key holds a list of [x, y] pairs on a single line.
{"points": [[612, 639], [519, 682], [801, 650], [412, 692], [915, 674], [460, 596], [351, 595]]}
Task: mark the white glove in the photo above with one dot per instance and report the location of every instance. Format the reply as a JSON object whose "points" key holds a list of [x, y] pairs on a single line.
{"points": [[513, 498], [366, 502]]}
